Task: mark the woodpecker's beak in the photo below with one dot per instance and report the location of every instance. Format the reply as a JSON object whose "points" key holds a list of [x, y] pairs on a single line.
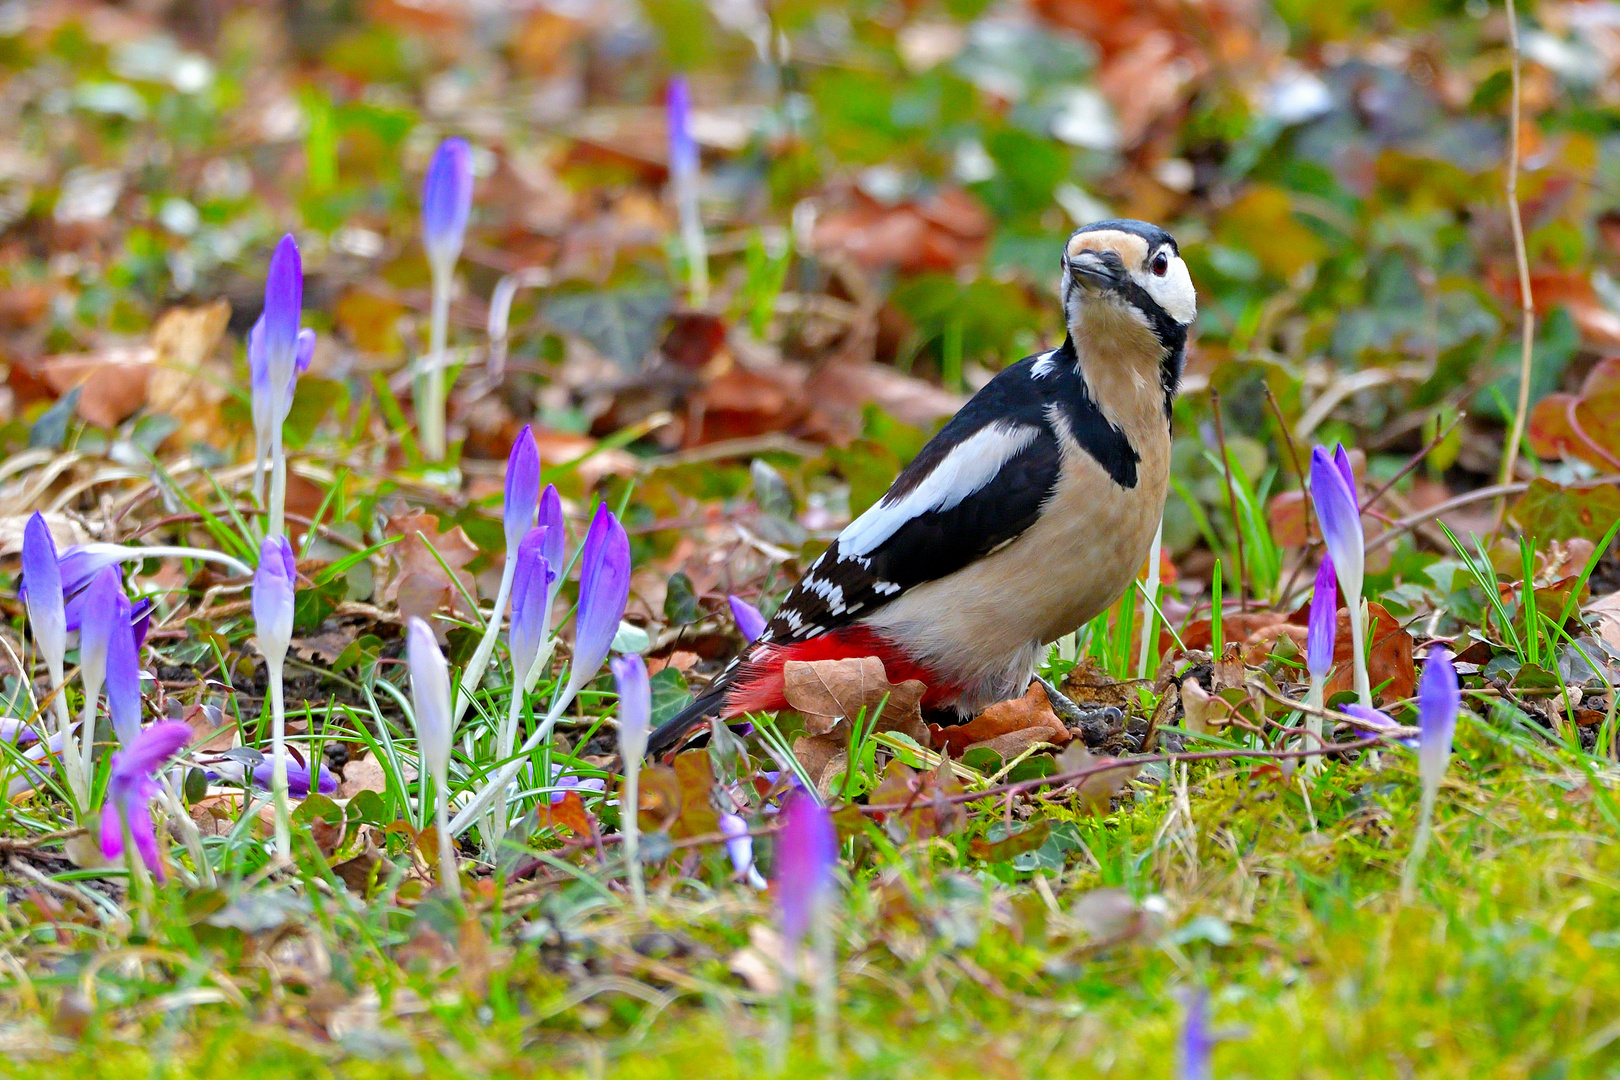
{"points": [[1099, 269]]}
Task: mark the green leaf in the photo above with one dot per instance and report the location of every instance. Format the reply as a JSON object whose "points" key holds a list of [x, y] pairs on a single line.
{"points": [[669, 695], [1550, 512], [680, 601]]}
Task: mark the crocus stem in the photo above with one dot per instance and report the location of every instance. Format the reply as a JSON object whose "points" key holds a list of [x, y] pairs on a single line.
{"points": [[1358, 655], [826, 985], [693, 240], [430, 422], [278, 747], [277, 525], [473, 673], [497, 784], [629, 807], [1149, 615], [508, 739], [73, 771], [1313, 723], [449, 868], [187, 829], [1420, 843], [87, 725]]}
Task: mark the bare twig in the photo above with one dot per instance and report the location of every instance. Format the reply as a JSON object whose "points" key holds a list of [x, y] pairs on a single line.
{"points": [[1510, 455]]}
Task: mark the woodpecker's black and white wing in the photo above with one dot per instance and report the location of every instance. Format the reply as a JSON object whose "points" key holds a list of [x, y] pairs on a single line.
{"points": [[976, 486]]}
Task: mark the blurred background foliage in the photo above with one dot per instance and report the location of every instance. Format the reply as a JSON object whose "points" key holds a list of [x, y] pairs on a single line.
{"points": [[886, 185]]}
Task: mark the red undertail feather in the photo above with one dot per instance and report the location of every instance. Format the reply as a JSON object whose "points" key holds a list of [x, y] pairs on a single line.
{"points": [[759, 687]]}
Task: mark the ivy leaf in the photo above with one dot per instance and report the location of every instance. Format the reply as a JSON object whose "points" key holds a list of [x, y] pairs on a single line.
{"points": [[621, 324]]}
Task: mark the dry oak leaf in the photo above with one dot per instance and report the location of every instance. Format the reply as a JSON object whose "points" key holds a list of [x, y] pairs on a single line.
{"points": [[421, 587], [186, 381], [826, 692], [1605, 612], [1007, 727], [823, 757], [362, 774], [1390, 667], [113, 381]]}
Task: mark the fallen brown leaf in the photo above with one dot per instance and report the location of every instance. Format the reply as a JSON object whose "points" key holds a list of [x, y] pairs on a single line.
{"points": [[1012, 725], [827, 692]]}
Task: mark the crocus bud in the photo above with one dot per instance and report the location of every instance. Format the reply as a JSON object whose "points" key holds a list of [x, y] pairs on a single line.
{"points": [[1439, 698], [447, 202], [1323, 621], [47, 613], [750, 623], [101, 598], [531, 603], [1340, 515], [283, 308], [683, 152], [635, 706], [740, 849], [430, 699], [123, 670], [1196, 1044], [273, 586], [131, 789], [604, 588], [806, 849], [522, 488], [555, 548]]}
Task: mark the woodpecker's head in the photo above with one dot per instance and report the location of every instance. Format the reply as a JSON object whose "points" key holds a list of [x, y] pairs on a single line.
{"points": [[1132, 268]]}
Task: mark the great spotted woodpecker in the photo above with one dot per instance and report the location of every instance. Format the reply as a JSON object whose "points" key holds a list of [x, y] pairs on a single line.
{"points": [[1026, 515]]}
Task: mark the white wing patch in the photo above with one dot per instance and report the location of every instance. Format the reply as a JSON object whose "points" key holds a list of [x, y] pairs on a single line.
{"points": [[1045, 365], [970, 465]]}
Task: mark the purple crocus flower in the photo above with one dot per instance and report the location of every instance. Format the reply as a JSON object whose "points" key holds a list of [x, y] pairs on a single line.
{"points": [[265, 392], [740, 849], [123, 670], [430, 699], [47, 614], [1372, 721], [101, 597], [274, 583], [522, 488], [806, 849], [683, 151], [555, 548], [1439, 698], [635, 706], [283, 308], [447, 192], [131, 789], [1323, 622], [1195, 1043], [297, 778], [750, 623], [604, 588], [531, 603], [1333, 493]]}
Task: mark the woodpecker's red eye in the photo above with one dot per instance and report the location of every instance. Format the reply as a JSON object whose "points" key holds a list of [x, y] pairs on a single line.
{"points": [[1161, 264]]}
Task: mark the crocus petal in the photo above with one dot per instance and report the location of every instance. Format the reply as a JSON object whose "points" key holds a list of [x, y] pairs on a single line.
{"points": [[635, 705], [1372, 721], [1340, 516], [1195, 1043], [740, 849], [123, 673], [303, 354], [430, 696], [47, 613], [531, 601], [273, 595], [556, 546], [522, 488], [1439, 698], [112, 832], [604, 588], [283, 307], [100, 599], [447, 200], [297, 778], [1341, 460], [258, 358], [750, 623], [151, 748], [142, 833], [805, 852], [683, 152], [1323, 621], [140, 621]]}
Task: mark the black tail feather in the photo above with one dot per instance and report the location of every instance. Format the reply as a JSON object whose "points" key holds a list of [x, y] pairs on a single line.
{"points": [[668, 734]]}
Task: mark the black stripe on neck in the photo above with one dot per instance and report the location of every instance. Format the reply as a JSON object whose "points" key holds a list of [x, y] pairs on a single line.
{"points": [[1097, 436]]}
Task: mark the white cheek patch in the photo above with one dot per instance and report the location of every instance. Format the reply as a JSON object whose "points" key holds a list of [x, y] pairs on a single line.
{"points": [[1174, 292]]}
